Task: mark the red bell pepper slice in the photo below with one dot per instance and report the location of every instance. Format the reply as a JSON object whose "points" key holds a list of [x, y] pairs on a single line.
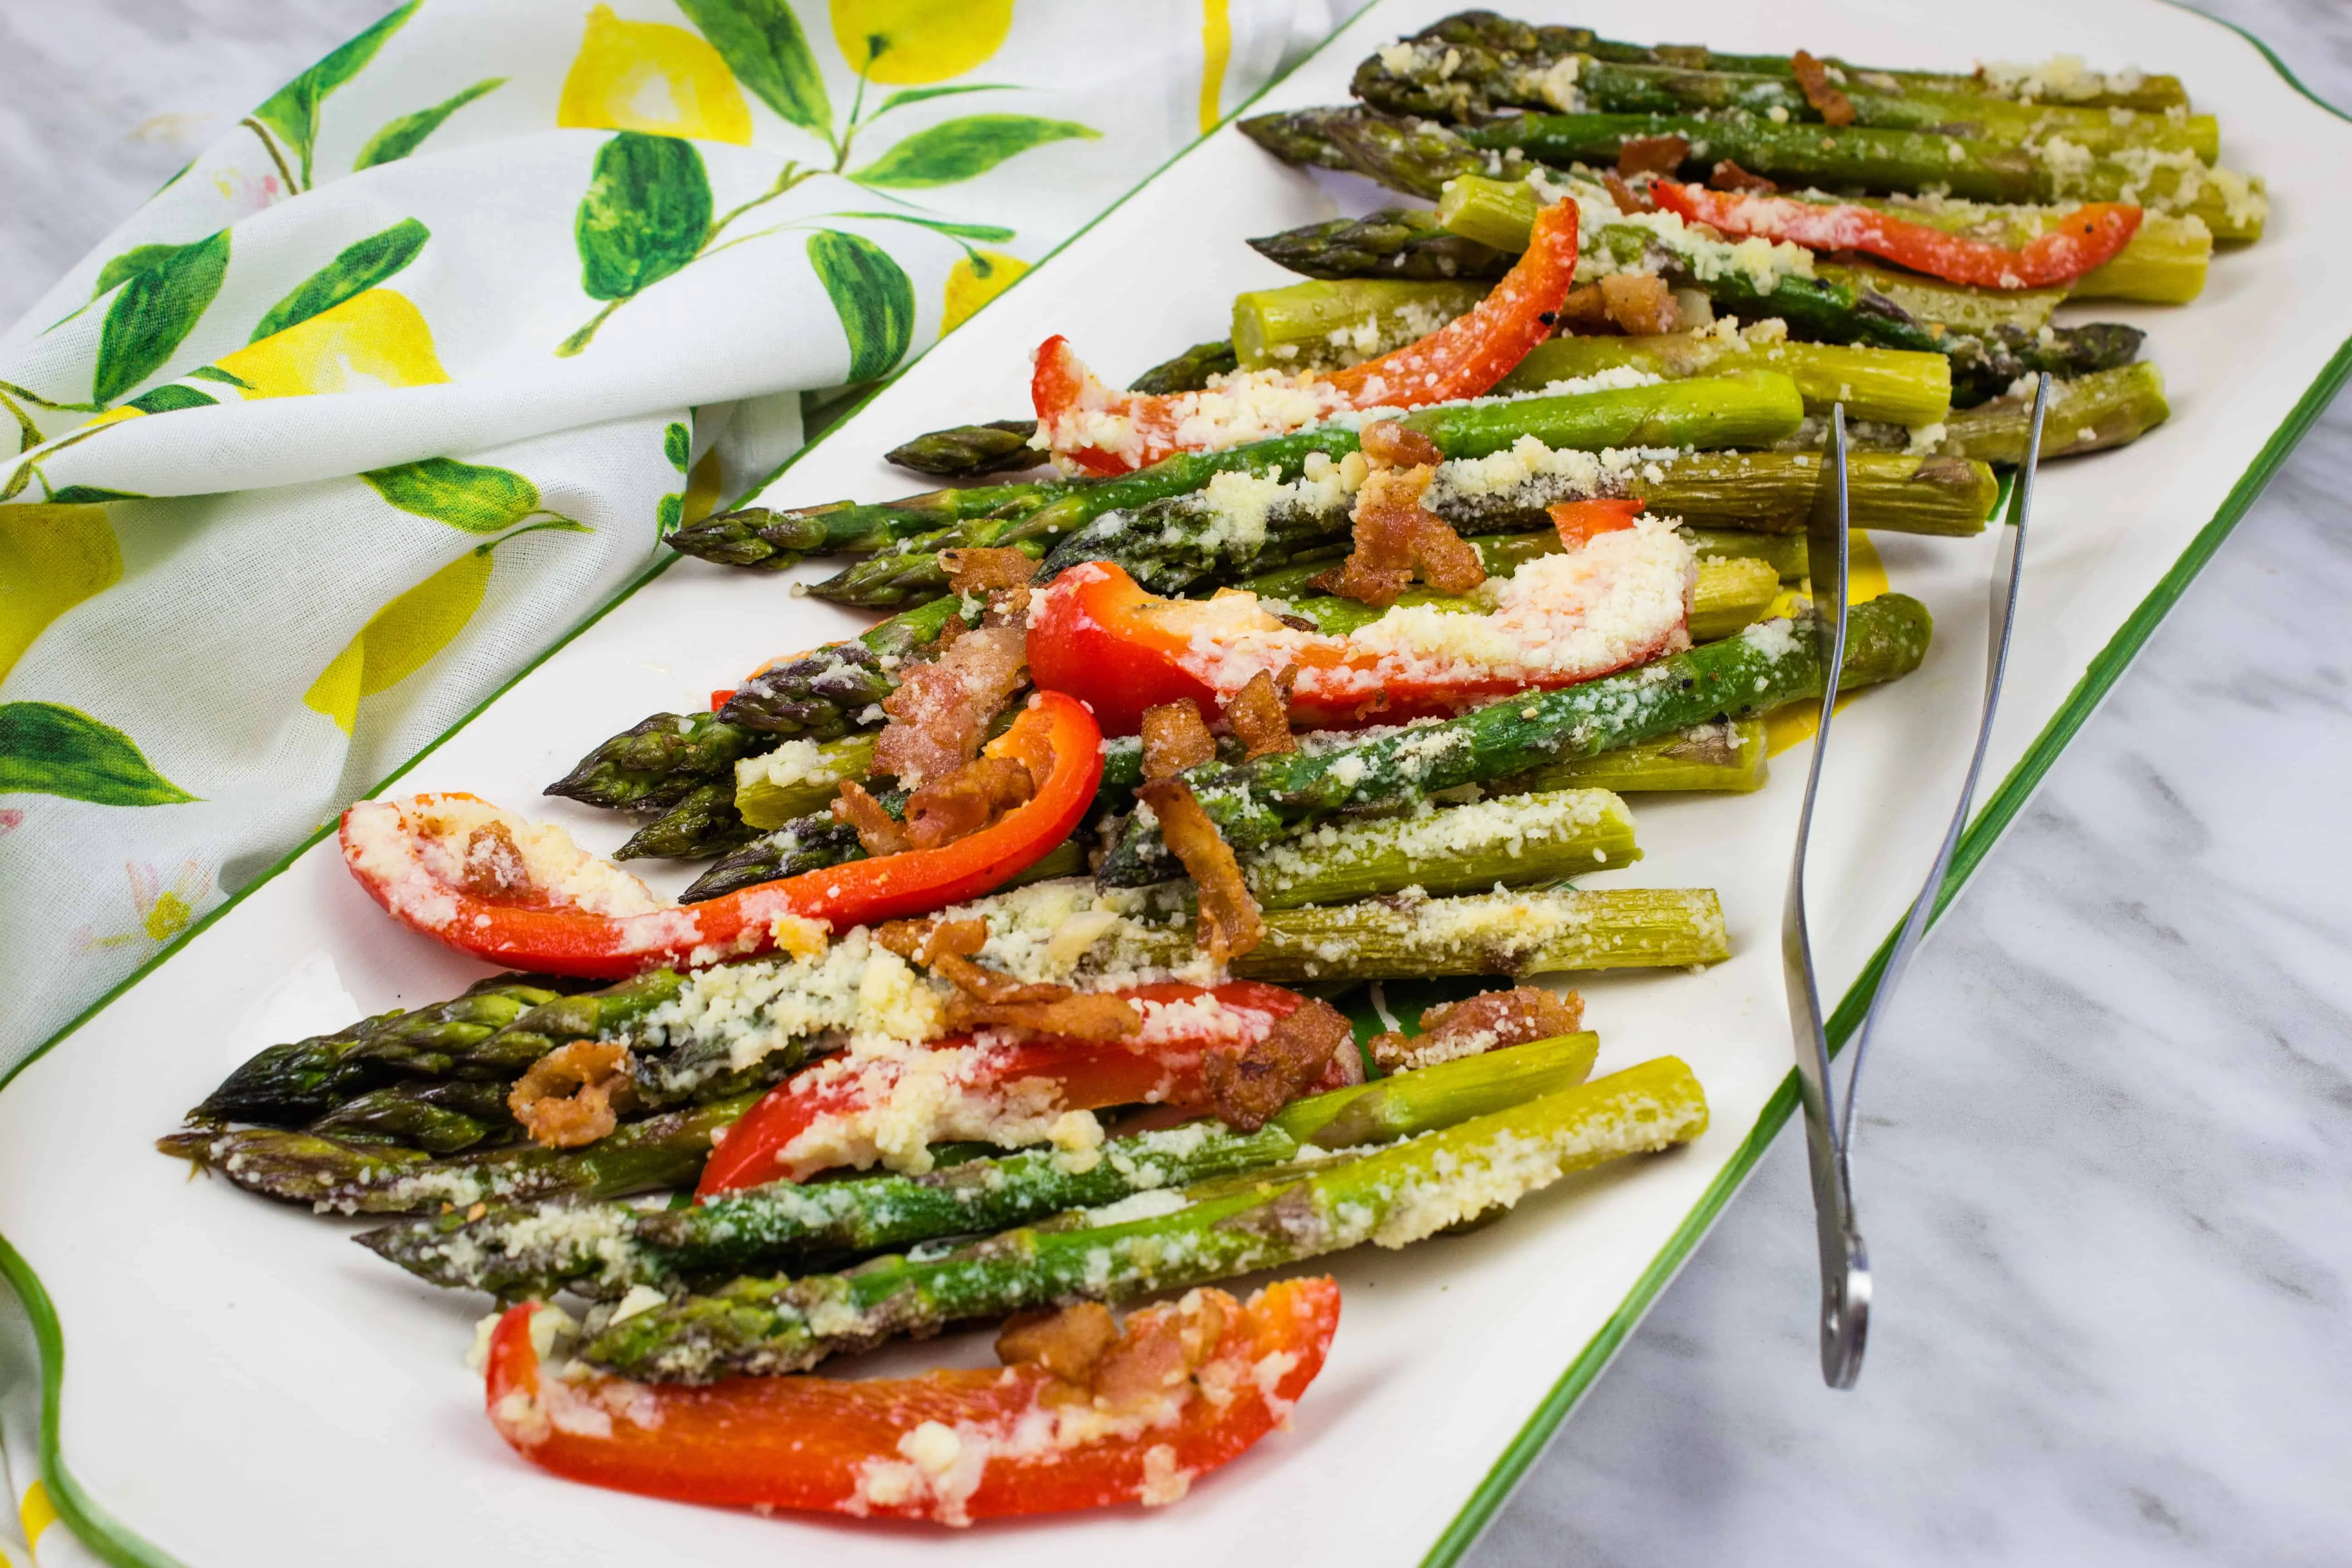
{"points": [[1162, 1067], [487, 903], [1581, 522], [2089, 236], [1099, 635], [950, 1446], [1464, 358]]}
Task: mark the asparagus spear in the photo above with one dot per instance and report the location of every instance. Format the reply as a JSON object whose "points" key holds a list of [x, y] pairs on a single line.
{"points": [[808, 842], [657, 761], [793, 781], [440, 1117], [1859, 156], [702, 825], [1513, 933], [1729, 593], [1512, 841], [1416, 157], [1259, 1220], [968, 451], [825, 693], [1729, 756], [1873, 384], [1321, 324], [1395, 242], [771, 540], [662, 1150], [2087, 414], [1745, 409], [603, 1249], [1765, 666]]}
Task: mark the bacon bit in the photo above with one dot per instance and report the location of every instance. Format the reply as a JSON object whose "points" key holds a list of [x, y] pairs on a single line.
{"points": [[1002, 576], [1228, 923], [1652, 155], [1067, 1344], [1628, 201], [943, 706], [1388, 445], [1249, 1086], [492, 866], [1727, 175], [1488, 1022], [923, 940], [1175, 737], [1259, 715], [1584, 311], [967, 800], [1640, 303], [994, 987], [1159, 1352], [572, 1096], [1813, 77], [1395, 535], [877, 831], [1088, 1016]]}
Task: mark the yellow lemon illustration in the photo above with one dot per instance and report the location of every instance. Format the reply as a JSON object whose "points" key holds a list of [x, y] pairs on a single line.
{"points": [[1865, 579], [400, 637], [974, 281], [702, 489], [650, 76], [373, 340], [907, 43], [51, 559]]}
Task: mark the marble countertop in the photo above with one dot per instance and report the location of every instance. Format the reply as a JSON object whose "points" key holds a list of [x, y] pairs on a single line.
{"points": [[2105, 1163]]}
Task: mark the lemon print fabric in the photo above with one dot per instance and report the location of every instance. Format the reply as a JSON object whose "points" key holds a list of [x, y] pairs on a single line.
{"points": [[51, 559], [654, 78], [400, 637], [913, 43], [373, 340], [974, 281]]}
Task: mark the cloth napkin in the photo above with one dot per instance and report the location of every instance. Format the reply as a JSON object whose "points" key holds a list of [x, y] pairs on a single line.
{"points": [[406, 376]]}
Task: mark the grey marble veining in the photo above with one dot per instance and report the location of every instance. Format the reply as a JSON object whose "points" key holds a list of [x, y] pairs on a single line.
{"points": [[2107, 1158]]}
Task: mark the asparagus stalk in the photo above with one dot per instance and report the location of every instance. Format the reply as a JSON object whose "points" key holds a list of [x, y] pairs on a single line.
{"points": [[1395, 1197], [1396, 242], [1321, 324], [808, 842], [657, 761], [1727, 756], [702, 825], [1785, 553], [1868, 158], [792, 782], [516, 1251], [662, 1150], [2088, 414], [969, 451], [1729, 593], [1749, 408], [1873, 384], [1765, 666], [771, 540], [440, 1117], [1413, 156], [823, 694], [1516, 933], [1954, 305], [1513, 841]]}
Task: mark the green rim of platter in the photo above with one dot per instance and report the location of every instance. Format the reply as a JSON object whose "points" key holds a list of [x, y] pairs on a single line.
{"points": [[110, 1540]]}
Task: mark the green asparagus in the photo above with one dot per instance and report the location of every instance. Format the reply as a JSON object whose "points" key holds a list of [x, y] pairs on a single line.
{"points": [[1765, 666], [1258, 1220], [1511, 841], [1873, 384], [823, 694], [792, 782], [771, 540], [1396, 242], [659, 762], [1321, 324], [601, 1249], [2087, 414], [1727, 756], [968, 451], [702, 825], [440, 1116]]}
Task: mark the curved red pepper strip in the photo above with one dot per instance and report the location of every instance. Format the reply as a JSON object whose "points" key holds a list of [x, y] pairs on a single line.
{"points": [[836, 1446], [1580, 520], [2089, 236], [1464, 358], [1088, 1074], [1054, 736]]}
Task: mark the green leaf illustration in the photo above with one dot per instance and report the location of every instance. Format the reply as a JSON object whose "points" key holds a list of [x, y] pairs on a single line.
{"points": [[645, 214], [84, 495], [156, 310], [400, 137], [470, 496], [359, 267], [676, 442], [957, 149], [168, 396], [672, 512], [214, 373], [981, 231], [921, 94], [132, 263], [874, 298], [49, 749], [293, 109], [762, 44]]}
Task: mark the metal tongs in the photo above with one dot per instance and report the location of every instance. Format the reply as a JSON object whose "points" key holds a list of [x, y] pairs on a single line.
{"points": [[1829, 1124]]}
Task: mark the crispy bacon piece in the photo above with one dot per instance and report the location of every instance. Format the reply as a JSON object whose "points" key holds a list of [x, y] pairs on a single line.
{"points": [[1259, 714], [880, 833], [573, 1094], [1175, 737], [1084, 1015], [987, 997], [1813, 79], [943, 705], [1395, 536], [1628, 201], [1229, 923], [1585, 312], [923, 940], [1639, 303], [1122, 1372], [1002, 577], [1388, 445], [1727, 175], [1650, 155], [1486, 1022], [1067, 1344], [967, 800], [1249, 1086]]}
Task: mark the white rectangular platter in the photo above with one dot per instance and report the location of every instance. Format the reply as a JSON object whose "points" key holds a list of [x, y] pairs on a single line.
{"points": [[244, 1388]]}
